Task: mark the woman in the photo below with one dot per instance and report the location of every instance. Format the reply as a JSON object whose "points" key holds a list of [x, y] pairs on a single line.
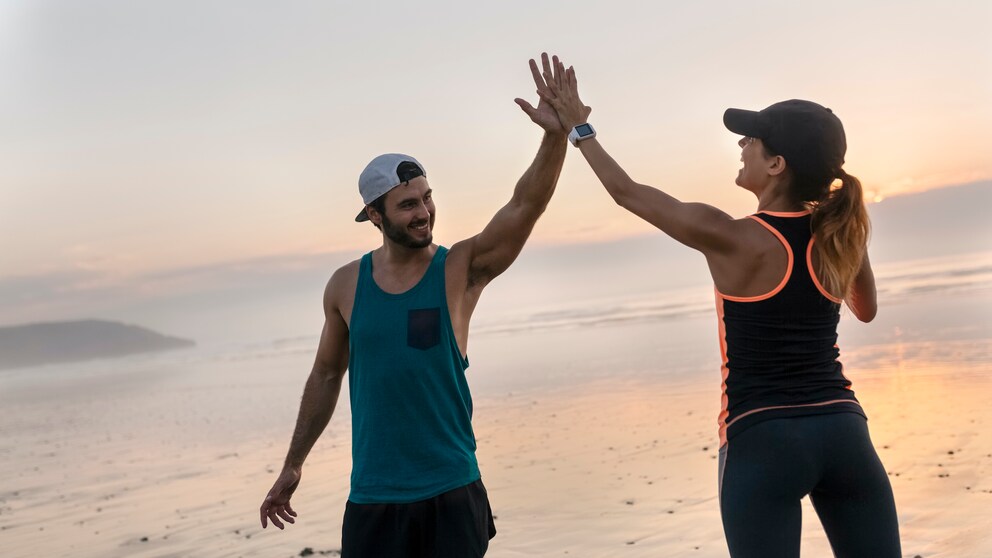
{"points": [[790, 424]]}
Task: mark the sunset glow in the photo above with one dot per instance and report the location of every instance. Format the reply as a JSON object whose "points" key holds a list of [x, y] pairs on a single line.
{"points": [[160, 139]]}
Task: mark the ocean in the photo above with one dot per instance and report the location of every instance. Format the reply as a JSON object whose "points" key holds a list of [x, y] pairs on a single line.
{"points": [[595, 390]]}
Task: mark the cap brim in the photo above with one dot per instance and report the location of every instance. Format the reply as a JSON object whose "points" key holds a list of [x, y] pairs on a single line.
{"points": [[363, 216], [744, 122]]}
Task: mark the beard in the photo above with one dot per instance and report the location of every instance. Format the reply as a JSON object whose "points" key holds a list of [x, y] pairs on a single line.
{"points": [[399, 234]]}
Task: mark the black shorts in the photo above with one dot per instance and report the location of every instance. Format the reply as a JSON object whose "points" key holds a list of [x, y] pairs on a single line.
{"points": [[455, 524]]}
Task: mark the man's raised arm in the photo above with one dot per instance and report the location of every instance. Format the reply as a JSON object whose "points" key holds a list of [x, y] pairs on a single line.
{"points": [[495, 248]]}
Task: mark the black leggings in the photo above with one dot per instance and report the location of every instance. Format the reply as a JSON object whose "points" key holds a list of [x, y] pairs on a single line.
{"points": [[766, 470]]}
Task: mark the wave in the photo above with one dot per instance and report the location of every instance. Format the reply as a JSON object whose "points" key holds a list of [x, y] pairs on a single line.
{"points": [[896, 282]]}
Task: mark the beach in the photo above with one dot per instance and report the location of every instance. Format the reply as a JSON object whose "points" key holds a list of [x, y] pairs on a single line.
{"points": [[180, 182], [595, 437]]}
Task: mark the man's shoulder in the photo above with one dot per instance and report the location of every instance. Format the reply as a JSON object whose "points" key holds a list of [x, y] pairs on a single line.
{"points": [[459, 265], [343, 280], [349, 269], [461, 251]]}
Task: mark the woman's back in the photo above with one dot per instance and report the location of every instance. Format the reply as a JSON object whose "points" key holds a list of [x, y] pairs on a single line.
{"points": [[779, 347]]}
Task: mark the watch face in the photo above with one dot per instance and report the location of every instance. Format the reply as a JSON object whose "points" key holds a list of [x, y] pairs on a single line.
{"points": [[583, 130]]}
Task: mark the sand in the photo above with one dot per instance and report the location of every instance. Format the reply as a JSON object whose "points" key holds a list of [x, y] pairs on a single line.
{"points": [[585, 447]]}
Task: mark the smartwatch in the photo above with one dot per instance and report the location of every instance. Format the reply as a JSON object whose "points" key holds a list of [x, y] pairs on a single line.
{"points": [[581, 132]]}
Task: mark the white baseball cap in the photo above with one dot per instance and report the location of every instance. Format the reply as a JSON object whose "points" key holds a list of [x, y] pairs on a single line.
{"points": [[382, 174]]}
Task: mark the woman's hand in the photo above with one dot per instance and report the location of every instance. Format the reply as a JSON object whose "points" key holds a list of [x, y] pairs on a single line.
{"points": [[561, 91]]}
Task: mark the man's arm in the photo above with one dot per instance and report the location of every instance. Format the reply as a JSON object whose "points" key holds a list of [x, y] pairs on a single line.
{"points": [[320, 396], [498, 245]]}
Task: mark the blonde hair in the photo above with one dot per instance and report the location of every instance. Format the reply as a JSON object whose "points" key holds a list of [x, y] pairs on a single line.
{"points": [[841, 229]]}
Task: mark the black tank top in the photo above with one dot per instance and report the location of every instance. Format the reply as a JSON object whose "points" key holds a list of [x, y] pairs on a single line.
{"points": [[779, 350]]}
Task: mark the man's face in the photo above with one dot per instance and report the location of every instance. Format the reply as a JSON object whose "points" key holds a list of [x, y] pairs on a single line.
{"points": [[409, 216]]}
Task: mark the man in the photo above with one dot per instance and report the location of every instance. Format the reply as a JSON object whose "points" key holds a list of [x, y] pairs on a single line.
{"points": [[398, 319]]}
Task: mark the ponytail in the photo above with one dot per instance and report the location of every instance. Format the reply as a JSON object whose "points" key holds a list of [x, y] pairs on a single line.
{"points": [[841, 229]]}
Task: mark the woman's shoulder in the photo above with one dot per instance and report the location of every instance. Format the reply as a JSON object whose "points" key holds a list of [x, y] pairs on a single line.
{"points": [[757, 264]]}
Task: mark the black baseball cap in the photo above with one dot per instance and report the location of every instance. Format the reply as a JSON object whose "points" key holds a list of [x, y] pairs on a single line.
{"points": [[809, 136]]}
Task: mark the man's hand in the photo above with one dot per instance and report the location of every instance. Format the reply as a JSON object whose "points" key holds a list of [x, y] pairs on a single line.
{"points": [[544, 115], [561, 91], [276, 503]]}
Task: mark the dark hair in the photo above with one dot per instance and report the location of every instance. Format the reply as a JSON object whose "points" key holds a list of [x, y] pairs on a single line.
{"points": [[379, 204], [839, 221]]}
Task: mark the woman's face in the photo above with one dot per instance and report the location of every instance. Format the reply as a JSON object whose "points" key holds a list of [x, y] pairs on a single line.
{"points": [[754, 175]]}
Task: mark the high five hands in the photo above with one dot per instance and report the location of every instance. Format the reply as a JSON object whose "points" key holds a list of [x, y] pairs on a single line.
{"points": [[559, 108], [558, 91]]}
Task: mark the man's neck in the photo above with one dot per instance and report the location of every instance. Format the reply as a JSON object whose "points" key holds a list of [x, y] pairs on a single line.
{"points": [[397, 269], [396, 255]]}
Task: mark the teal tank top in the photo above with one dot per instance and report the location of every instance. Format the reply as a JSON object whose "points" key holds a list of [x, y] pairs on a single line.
{"points": [[411, 409]]}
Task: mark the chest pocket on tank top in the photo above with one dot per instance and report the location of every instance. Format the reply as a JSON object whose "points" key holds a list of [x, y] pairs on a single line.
{"points": [[423, 328]]}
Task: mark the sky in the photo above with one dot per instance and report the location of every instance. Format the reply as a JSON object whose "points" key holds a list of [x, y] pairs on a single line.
{"points": [[146, 143]]}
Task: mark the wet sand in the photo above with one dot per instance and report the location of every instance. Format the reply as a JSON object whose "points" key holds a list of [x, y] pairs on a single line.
{"points": [[586, 450]]}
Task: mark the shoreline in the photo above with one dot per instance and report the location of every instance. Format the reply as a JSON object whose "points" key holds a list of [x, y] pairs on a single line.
{"points": [[595, 441]]}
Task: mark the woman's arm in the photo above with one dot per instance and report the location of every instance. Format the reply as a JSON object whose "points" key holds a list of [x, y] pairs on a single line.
{"points": [[696, 225], [863, 299]]}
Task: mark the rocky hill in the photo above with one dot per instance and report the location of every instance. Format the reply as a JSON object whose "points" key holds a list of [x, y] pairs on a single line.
{"points": [[54, 342]]}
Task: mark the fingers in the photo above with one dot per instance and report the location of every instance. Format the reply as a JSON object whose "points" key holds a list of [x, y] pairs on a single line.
{"points": [[552, 76], [275, 520], [556, 92], [533, 113], [561, 80], [273, 514], [538, 78], [527, 107], [269, 512], [566, 76], [549, 73], [264, 510], [548, 96], [536, 74], [283, 513]]}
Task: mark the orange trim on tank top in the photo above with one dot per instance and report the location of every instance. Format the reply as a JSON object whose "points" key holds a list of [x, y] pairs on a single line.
{"points": [[785, 279], [786, 213], [724, 370], [820, 404]]}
